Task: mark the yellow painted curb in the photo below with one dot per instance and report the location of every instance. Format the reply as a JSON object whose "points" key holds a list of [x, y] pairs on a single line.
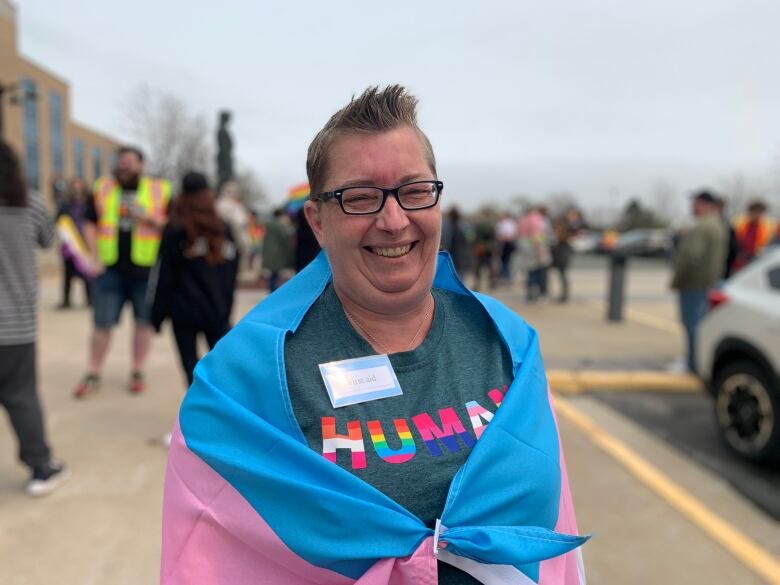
{"points": [[573, 382], [753, 556], [648, 319]]}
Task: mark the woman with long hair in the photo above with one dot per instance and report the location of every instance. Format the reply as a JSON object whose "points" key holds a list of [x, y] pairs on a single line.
{"points": [[24, 224], [194, 280]]}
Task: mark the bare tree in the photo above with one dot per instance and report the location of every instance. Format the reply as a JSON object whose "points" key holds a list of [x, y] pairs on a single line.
{"points": [[635, 216], [559, 202], [174, 139], [776, 179], [739, 190], [519, 203], [664, 201], [250, 189]]}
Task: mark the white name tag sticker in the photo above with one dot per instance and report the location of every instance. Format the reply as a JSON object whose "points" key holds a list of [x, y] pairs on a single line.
{"points": [[360, 380]]}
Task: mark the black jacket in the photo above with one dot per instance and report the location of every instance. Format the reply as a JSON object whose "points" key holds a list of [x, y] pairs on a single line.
{"points": [[186, 289]]}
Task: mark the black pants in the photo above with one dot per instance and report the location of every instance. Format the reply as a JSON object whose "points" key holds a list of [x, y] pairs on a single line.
{"points": [[507, 249], [187, 341], [19, 396], [484, 260], [71, 272], [564, 277]]}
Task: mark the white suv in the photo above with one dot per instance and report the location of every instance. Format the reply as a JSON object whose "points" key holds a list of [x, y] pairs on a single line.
{"points": [[738, 356]]}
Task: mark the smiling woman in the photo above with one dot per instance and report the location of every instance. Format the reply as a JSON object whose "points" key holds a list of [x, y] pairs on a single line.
{"points": [[375, 344], [383, 263]]}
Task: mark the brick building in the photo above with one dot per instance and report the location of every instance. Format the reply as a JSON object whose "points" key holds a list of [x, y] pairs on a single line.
{"points": [[36, 118]]}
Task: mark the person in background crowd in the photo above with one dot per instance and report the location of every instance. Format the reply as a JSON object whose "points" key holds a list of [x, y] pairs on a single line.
{"points": [[754, 231], [306, 245], [506, 234], [698, 266], [24, 224], [60, 190], [74, 205], [194, 280], [256, 235], [565, 228], [733, 247], [454, 241], [233, 212], [123, 223], [548, 239], [484, 246], [277, 248], [532, 229]]}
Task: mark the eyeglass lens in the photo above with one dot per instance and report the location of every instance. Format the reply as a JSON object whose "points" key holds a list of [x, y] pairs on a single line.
{"points": [[369, 199]]}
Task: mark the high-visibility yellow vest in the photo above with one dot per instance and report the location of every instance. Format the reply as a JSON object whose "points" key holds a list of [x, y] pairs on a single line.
{"points": [[153, 196], [766, 231]]}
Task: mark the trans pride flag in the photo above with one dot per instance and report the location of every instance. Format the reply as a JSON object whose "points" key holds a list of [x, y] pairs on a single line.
{"points": [[247, 501]]}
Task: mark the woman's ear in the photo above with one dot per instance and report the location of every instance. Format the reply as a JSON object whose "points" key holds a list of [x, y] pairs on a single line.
{"points": [[313, 210]]}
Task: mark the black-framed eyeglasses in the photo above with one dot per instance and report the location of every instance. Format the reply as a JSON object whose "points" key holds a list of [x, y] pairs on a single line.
{"points": [[361, 200]]}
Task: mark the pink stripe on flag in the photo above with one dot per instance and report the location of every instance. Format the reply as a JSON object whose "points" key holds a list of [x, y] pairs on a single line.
{"points": [[418, 569], [565, 569], [212, 535]]}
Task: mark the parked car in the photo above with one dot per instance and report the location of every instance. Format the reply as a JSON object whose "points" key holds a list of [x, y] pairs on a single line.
{"points": [[738, 357], [656, 243], [585, 242]]}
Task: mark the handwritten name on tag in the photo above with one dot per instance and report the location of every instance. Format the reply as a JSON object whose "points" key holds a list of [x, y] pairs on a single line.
{"points": [[359, 380]]}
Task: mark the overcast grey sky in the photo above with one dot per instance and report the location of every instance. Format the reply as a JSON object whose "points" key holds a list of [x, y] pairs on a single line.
{"points": [[603, 98]]}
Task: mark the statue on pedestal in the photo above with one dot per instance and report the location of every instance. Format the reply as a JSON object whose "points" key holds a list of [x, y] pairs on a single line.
{"points": [[224, 150]]}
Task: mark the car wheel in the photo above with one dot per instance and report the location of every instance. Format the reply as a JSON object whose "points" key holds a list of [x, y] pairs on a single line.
{"points": [[747, 409]]}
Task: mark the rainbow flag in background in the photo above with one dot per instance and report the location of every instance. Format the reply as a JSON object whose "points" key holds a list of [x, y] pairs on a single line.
{"points": [[297, 196], [73, 245]]}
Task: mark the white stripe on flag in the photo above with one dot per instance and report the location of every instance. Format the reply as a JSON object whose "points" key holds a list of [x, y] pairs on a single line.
{"points": [[487, 574]]}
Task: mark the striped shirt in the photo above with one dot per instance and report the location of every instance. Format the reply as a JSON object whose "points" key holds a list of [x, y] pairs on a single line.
{"points": [[21, 229]]}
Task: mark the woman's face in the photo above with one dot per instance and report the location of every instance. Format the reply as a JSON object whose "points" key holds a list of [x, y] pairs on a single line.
{"points": [[358, 246]]}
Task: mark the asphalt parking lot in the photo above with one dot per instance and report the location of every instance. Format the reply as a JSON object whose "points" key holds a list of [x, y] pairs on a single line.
{"points": [[686, 421]]}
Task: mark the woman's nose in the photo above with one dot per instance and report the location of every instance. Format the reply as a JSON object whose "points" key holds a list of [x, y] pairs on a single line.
{"points": [[392, 218]]}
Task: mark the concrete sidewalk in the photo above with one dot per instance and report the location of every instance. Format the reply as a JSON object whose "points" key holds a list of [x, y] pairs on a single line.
{"points": [[104, 525]]}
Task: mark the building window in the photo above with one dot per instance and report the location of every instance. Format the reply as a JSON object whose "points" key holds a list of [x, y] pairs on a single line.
{"points": [[56, 134], [78, 157], [97, 162], [32, 163]]}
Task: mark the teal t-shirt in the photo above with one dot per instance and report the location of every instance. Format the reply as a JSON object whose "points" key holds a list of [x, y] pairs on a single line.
{"points": [[410, 446]]}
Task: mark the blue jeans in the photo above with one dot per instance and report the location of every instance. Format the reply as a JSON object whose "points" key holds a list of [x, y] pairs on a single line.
{"points": [[536, 283], [111, 290], [693, 307]]}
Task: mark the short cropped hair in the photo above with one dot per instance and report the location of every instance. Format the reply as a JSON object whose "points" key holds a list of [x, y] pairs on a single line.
{"points": [[373, 112], [125, 149]]}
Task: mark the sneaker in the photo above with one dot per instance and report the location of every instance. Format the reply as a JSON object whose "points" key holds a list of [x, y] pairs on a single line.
{"points": [[89, 385], [137, 383], [47, 478]]}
